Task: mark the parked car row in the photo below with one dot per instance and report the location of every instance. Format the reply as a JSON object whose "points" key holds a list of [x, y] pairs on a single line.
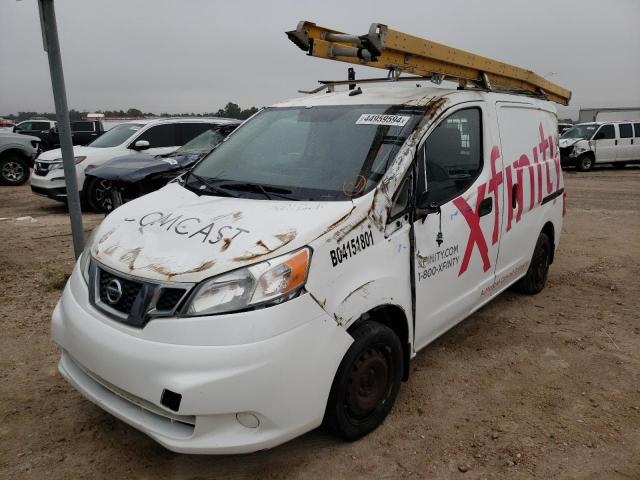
{"points": [[157, 137], [131, 176], [588, 144]]}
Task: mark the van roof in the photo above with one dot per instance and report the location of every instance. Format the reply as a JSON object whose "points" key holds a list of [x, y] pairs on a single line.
{"points": [[400, 94]]}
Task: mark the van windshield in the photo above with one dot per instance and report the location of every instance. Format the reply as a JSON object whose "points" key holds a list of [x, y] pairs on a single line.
{"points": [[307, 153], [580, 131], [116, 136]]}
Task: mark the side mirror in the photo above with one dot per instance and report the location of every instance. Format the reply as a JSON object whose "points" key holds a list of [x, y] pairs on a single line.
{"points": [[141, 145], [16, 129], [424, 206]]}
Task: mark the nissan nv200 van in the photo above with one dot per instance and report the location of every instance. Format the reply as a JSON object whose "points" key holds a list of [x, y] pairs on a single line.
{"points": [[288, 279]]}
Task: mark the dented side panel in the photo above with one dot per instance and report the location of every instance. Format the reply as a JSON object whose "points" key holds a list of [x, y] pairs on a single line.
{"points": [[356, 268]]}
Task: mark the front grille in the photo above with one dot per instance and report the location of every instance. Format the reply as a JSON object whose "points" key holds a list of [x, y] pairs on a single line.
{"points": [[132, 300], [130, 291], [169, 298], [566, 151]]}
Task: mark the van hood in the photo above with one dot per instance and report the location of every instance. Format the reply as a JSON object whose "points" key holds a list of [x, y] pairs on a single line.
{"points": [[567, 142], [175, 235]]}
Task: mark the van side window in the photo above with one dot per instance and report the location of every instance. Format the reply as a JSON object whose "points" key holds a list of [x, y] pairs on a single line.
{"points": [[451, 157], [401, 200], [636, 127], [607, 132], [161, 136], [625, 130]]}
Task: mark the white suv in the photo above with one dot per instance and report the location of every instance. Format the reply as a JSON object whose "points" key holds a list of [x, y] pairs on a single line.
{"points": [[586, 144], [156, 137]]}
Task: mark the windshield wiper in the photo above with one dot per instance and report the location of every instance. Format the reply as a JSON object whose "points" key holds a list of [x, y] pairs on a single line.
{"points": [[268, 191], [210, 186]]}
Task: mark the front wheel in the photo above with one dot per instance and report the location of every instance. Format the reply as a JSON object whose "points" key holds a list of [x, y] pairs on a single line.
{"points": [[367, 382], [14, 170], [536, 277], [96, 194], [585, 163]]}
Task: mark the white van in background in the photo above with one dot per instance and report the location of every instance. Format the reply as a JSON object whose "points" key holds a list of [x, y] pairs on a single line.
{"points": [[287, 280], [588, 144], [154, 136]]}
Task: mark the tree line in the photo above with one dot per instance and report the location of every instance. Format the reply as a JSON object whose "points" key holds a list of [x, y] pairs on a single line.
{"points": [[231, 110]]}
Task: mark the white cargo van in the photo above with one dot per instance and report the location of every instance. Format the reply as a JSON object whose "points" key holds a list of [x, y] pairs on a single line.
{"points": [[290, 277]]}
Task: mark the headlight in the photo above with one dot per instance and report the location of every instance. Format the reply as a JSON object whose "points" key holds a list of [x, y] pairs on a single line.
{"points": [[269, 282], [85, 257], [84, 264], [57, 163]]}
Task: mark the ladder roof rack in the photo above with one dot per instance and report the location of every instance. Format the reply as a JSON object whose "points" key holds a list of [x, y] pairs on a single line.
{"points": [[400, 53]]}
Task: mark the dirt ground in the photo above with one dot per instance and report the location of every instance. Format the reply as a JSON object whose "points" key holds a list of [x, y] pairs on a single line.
{"points": [[545, 386]]}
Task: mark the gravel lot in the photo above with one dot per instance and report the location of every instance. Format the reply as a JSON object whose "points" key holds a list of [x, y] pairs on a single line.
{"points": [[545, 386]]}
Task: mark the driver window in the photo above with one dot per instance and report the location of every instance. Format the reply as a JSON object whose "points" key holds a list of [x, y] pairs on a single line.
{"points": [[607, 132], [450, 159], [161, 136]]}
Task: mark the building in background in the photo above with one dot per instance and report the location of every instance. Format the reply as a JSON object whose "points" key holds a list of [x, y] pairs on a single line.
{"points": [[609, 114]]}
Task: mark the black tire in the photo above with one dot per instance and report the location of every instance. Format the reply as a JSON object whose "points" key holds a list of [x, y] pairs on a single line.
{"points": [[619, 165], [96, 194], [367, 382], [584, 163], [536, 277], [14, 170]]}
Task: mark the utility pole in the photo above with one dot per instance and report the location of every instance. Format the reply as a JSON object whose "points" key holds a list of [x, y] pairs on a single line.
{"points": [[52, 47]]}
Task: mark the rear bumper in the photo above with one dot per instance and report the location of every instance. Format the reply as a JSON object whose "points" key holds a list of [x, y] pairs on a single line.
{"points": [[283, 379]]}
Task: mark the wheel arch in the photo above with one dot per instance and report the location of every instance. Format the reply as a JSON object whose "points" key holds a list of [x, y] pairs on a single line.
{"points": [[549, 230], [14, 151], [394, 317]]}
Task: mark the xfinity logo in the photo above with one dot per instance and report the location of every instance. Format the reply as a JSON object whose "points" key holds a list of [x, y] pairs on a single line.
{"points": [[113, 291]]}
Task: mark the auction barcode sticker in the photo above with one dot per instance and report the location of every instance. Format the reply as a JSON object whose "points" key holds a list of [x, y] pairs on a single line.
{"points": [[382, 119]]}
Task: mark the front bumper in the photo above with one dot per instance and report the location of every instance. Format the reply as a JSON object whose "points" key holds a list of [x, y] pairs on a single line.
{"points": [[51, 186], [281, 375]]}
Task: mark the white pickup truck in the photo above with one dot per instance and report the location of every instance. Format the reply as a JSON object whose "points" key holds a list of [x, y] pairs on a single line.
{"points": [[588, 144]]}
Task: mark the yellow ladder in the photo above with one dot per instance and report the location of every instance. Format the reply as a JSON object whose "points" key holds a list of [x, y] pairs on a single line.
{"points": [[400, 53]]}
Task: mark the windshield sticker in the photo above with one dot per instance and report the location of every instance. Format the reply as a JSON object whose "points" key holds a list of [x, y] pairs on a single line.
{"points": [[382, 119], [351, 188], [135, 127]]}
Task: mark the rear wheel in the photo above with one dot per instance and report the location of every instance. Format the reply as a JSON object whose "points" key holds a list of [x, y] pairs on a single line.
{"points": [[96, 194], [14, 170], [536, 277], [585, 163], [367, 382]]}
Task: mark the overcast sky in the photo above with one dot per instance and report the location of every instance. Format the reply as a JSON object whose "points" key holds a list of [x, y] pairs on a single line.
{"points": [[196, 55]]}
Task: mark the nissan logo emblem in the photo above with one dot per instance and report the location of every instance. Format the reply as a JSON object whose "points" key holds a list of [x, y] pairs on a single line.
{"points": [[113, 291]]}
